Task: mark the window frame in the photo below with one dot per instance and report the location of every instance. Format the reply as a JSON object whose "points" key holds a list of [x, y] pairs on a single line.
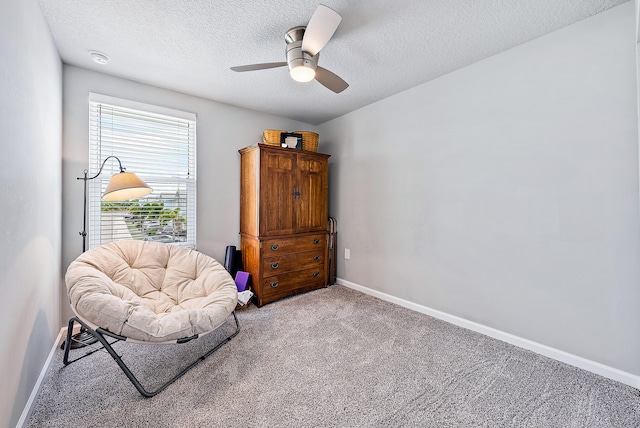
{"points": [[96, 186]]}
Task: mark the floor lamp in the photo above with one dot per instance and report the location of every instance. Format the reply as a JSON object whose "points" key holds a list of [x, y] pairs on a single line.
{"points": [[122, 186]]}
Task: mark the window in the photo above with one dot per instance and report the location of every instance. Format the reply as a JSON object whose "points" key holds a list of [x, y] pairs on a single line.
{"points": [[157, 144]]}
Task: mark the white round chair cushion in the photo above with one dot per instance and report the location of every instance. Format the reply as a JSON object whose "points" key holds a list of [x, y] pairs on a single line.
{"points": [[149, 291]]}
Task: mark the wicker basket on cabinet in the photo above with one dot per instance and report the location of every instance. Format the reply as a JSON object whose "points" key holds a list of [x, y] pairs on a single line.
{"points": [[272, 136], [309, 140]]}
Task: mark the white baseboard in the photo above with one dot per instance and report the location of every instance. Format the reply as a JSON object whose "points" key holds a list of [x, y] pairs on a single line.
{"points": [[36, 388], [547, 351]]}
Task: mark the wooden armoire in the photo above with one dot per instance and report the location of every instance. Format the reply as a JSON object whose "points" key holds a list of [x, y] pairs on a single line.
{"points": [[283, 220]]}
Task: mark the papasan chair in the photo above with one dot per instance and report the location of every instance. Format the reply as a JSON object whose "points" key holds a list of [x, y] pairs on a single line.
{"points": [[148, 292]]}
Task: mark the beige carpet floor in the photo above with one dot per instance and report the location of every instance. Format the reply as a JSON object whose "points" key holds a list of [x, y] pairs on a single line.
{"points": [[334, 358]]}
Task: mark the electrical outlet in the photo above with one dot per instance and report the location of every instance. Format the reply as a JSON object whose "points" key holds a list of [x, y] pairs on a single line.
{"points": [[347, 253]]}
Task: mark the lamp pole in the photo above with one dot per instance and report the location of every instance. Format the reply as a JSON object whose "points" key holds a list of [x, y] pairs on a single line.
{"points": [[85, 178], [122, 186], [83, 338]]}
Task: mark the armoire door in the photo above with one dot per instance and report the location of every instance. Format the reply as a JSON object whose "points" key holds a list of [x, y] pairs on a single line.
{"points": [[312, 193], [277, 184]]}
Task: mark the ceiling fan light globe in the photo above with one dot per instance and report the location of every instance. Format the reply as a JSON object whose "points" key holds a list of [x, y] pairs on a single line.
{"points": [[302, 73]]}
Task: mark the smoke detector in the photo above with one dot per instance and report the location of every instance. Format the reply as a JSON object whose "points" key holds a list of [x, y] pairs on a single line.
{"points": [[99, 57]]}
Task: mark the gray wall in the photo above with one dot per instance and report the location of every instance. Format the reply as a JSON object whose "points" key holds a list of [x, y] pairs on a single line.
{"points": [[506, 193], [30, 146], [221, 131]]}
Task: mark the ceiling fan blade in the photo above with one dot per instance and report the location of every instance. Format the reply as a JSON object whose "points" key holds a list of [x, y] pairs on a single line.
{"points": [[330, 80], [263, 66], [320, 28]]}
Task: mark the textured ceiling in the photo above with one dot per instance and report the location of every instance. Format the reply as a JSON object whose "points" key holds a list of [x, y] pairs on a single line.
{"points": [[381, 47]]}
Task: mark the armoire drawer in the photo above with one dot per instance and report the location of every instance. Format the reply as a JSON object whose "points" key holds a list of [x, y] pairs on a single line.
{"points": [[273, 247], [276, 265], [290, 281]]}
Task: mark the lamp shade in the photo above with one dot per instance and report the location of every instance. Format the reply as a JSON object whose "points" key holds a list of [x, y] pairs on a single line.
{"points": [[124, 186]]}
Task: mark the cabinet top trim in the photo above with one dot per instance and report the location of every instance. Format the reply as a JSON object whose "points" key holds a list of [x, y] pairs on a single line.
{"points": [[261, 147]]}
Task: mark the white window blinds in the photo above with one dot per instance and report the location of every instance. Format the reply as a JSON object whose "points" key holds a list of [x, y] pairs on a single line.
{"points": [[157, 144]]}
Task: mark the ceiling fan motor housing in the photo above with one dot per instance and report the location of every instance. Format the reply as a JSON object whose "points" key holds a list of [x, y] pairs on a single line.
{"points": [[295, 56]]}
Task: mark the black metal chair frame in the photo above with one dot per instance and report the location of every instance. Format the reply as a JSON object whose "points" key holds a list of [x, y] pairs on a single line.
{"points": [[101, 335]]}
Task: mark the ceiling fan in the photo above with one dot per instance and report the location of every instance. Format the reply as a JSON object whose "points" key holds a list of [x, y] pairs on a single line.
{"points": [[303, 47]]}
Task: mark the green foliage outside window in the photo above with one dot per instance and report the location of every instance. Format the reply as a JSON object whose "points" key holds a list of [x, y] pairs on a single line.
{"points": [[148, 219]]}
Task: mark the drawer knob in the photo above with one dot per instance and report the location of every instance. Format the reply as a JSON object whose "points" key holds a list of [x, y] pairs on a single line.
{"points": [[274, 247], [274, 265], [316, 258], [316, 241], [274, 284], [316, 274]]}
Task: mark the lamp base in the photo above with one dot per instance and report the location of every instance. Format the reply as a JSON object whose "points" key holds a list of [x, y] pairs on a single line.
{"points": [[81, 340]]}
